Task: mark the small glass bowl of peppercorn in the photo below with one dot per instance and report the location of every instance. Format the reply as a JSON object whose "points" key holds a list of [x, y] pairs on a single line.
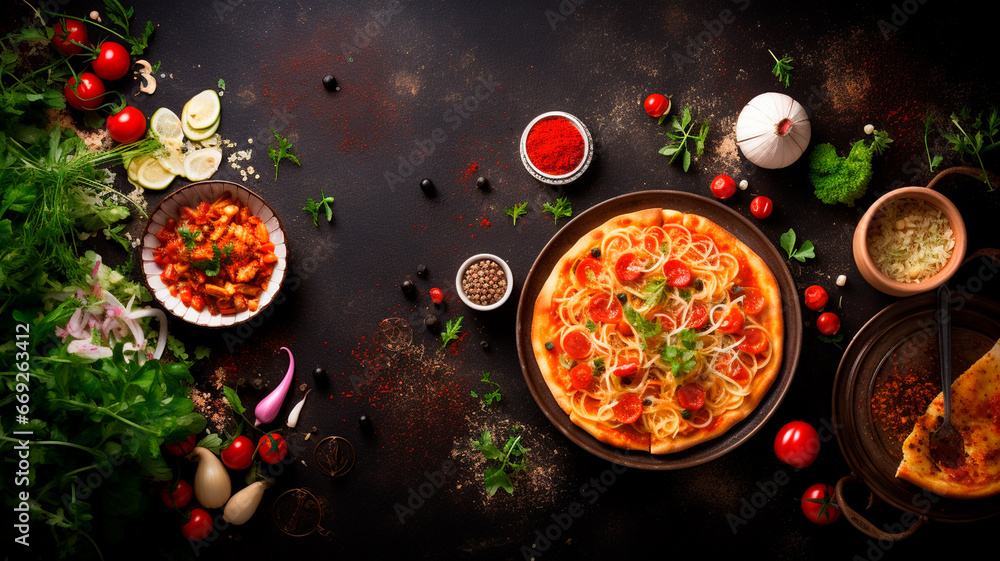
{"points": [[556, 148], [484, 282]]}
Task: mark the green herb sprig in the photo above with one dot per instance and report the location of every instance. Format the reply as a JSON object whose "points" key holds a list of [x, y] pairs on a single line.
{"points": [[782, 68], [680, 134], [978, 140], [451, 330], [519, 209], [805, 251], [491, 397], [682, 358], [561, 209], [503, 463], [281, 152], [315, 207]]}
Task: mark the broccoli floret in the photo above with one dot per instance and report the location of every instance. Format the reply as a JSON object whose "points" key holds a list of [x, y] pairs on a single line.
{"points": [[840, 180]]}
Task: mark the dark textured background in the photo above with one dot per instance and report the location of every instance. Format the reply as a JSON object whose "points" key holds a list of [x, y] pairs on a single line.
{"points": [[599, 61]]}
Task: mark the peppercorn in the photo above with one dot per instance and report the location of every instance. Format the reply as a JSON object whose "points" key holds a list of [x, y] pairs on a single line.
{"points": [[319, 374], [330, 83], [549, 345], [431, 322], [427, 186], [595, 253], [483, 183], [408, 288], [421, 271], [365, 422], [485, 345]]}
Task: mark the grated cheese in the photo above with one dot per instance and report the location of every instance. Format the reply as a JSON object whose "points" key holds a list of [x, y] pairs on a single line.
{"points": [[910, 240]]}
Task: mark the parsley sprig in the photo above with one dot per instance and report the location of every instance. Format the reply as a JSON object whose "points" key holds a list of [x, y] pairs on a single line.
{"points": [[491, 397], [561, 209], [682, 358], [782, 68], [315, 207], [978, 139], [644, 327], [519, 209], [212, 266], [679, 137], [281, 152], [805, 251], [503, 463], [451, 330]]}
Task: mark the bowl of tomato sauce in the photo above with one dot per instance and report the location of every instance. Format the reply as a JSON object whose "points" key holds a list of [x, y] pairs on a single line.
{"points": [[214, 253]]}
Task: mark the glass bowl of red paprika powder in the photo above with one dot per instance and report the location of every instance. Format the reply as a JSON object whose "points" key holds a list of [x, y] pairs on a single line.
{"points": [[556, 148]]}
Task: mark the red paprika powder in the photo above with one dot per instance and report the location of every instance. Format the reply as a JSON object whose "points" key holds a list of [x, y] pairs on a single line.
{"points": [[555, 146]]}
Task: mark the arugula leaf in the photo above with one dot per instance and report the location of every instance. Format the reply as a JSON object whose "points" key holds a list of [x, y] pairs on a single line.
{"points": [[322, 205], [654, 291], [451, 330], [561, 209], [680, 134], [120, 16], [805, 251], [281, 152], [517, 210], [782, 68], [502, 462], [934, 161], [494, 395], [644, 327]]}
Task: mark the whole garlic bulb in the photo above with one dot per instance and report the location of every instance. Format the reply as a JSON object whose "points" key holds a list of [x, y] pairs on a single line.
{"points": [[773, 130]]}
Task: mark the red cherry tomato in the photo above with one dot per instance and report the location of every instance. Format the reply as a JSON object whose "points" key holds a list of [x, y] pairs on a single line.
{"points": [[577, 345], [239, 454], [677, 273], [732, 322], [627, 368], [699, 316], [272, 448], [589, 264], [199, 525], [112, 61], [656, 105], [626, 268], [761, 207], [628, 409], [828, 323], [580, 376], [177, 495], [66, 32], [797, 444], [127, 125], [723, 187], [182, 448], [89, 94], [437, 296], [691, 396], [753, 300], [605, 308], [754, 342], [816, 297], [818, 505]]}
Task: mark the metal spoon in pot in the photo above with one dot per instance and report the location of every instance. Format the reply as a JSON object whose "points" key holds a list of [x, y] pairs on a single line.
{"points": [[946, 444]]}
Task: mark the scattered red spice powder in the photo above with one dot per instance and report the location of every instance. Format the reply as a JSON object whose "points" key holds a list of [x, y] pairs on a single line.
{"points": [[485, 223], [470, 170], [555, 145]]}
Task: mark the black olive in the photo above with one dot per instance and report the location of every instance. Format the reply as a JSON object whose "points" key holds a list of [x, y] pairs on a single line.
{"points": [[621, 297], [482, 183], [699, 284], [485, 345], [686, 414], [647, 402], [408, 287], [549, 345], [330, 83], [319, 374], [365, 422], [427, 186], [431, 322], [595, 253], [737, 289], [421, 271]]}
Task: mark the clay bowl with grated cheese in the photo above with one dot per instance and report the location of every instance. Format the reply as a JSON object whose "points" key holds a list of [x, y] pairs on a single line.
{"points": [[910, 241]]}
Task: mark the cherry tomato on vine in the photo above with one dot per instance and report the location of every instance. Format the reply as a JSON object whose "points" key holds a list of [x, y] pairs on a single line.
{"points": [[239, 454], [67, 31], [127, 125], [89, 93], [797, 444], [723, 187], [761, 207], [828, 323], [656, 105], [272, 448], [182, 448], [816, 297], [112, 62], [199, 525], [818, 505], [177, 495]]}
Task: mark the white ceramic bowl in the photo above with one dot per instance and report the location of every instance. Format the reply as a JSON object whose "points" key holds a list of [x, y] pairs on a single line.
{"points": [[506, 272], [588, 151], [190, 195]]}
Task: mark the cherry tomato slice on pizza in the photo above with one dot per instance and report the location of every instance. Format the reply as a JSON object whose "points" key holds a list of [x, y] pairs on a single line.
{"points": [[753, 300], [691, 396], [677, 273], [588, 264], [732, 322], [627, 268], [577, 345], [627, 368], [580, 376], [653, 240], [604, 308], [754, 341], [628, 409], [699, 316]]}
